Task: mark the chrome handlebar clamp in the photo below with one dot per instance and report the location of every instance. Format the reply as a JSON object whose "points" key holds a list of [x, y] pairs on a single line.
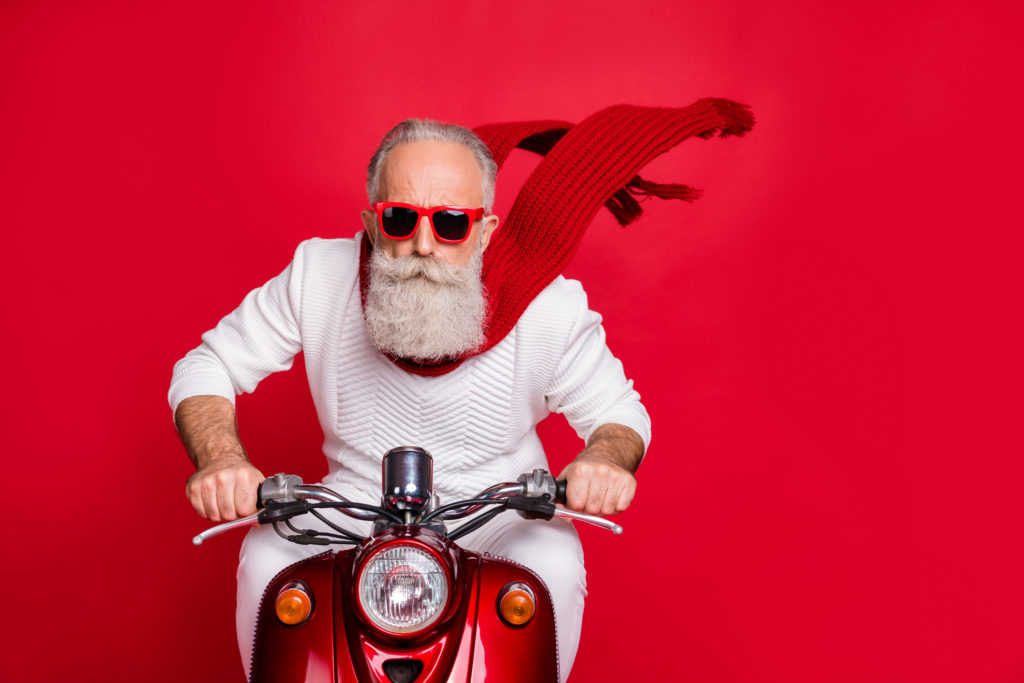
{"points": [[280, 488], [538, 484]]}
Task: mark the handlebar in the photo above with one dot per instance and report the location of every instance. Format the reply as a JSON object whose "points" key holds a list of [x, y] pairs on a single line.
{"points": [[283, 496], [560, 486]]}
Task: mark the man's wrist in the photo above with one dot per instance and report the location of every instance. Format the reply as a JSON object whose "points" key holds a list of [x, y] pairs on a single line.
{"points": [[222, 459], [617, 444]]}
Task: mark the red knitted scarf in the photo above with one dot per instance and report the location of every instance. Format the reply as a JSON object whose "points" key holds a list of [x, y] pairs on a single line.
{"points": [[585, 166]]}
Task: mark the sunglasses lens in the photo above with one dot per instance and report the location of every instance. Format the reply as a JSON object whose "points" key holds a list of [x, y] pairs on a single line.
{"points": [[451, 225], [398, 221]]}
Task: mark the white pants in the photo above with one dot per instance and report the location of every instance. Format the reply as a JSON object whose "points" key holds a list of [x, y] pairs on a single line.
{"points": [[551, 549]]}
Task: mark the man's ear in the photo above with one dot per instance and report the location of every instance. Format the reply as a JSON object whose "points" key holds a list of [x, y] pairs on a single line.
{"points": [[370, 223], [490, 225]]}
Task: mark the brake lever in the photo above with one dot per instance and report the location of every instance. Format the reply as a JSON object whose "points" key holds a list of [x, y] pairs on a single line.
{"points": [[541, 508], [251, 520], [275, 512], [590, 519]]}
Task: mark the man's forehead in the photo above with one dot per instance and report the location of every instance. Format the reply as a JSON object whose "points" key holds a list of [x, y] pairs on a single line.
{"points": [[431, 166], [431, 153]]}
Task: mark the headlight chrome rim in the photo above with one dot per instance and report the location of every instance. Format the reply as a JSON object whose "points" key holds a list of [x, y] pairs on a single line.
{"points": [[417, 574]]}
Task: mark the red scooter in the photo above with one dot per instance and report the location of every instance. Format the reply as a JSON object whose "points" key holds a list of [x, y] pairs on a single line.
{"points": [[405, 604]]}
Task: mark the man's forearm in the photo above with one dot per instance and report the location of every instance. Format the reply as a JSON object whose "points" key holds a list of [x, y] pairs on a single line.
{"points": [[225, 482], [207, 427], [618, 444]]}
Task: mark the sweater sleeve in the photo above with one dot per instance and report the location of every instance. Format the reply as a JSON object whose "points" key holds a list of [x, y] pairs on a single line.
{"points": [[589, 385], [259, 337]]}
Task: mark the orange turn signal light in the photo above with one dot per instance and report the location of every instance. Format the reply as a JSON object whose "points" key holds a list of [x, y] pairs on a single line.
{"points": [[294, 603], [517, 604]]}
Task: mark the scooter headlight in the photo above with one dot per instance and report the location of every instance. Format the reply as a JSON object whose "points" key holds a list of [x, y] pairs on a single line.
{"points": [[403, 589]]}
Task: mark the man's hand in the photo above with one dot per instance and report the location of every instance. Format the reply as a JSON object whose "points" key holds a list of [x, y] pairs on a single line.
{"points": [[224, 490], [601, 480], [224, 485]]}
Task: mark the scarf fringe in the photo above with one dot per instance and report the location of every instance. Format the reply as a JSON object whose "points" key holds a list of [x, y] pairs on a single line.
{"points": [[738, 118], [626, 209]]}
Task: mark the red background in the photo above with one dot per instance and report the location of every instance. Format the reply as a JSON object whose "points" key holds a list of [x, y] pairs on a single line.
{"points": [[828, 342]]}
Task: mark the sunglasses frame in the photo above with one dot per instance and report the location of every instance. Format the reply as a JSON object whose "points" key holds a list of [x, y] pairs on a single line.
{"points": [[474, 215]]}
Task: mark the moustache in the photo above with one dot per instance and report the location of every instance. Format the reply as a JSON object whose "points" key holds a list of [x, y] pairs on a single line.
{"points": [[424, 267]]}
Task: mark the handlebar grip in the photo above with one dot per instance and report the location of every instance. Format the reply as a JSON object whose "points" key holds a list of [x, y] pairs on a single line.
{"points": [[560, 485]]}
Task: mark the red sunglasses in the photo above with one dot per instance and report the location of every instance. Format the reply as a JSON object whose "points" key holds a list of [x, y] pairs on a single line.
{"points": [[451, 224]]}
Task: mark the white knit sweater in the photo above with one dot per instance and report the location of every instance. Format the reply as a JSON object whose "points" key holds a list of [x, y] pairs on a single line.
{"points": [[478, 421]]}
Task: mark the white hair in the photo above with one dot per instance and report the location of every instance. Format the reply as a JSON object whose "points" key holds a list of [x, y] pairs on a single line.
{"points": [[419, 130]]}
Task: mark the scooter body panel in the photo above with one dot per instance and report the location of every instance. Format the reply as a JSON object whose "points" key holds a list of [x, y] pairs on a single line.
{"points": [[295, 654], [507, 654], [470, 642]]}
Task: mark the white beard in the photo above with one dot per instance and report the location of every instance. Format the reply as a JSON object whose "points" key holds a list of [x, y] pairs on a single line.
{"points": [[424, 309]]}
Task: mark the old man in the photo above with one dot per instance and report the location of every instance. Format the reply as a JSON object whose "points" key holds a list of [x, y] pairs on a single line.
{"points": [[394, 328]]}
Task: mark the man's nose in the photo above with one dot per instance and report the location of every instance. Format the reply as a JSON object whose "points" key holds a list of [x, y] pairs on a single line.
{"points": [[423, 241]]}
